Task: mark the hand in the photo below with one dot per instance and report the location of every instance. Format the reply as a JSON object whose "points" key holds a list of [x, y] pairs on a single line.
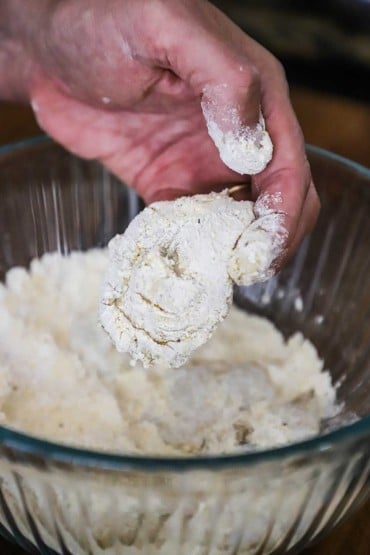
{"points": [[122, 81]]}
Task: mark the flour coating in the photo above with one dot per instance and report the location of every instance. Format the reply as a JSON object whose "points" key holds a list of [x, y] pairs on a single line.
{"points": [[171, 274], [243, 148], [62, 379]]}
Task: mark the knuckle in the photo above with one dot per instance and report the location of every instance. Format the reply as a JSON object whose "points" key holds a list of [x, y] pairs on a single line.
{"points": [[276, 69], [246, 76], [275, 66], [279, 69]]}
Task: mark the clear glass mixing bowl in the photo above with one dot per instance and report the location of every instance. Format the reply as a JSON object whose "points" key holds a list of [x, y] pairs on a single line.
{"points": [[56, 499]]}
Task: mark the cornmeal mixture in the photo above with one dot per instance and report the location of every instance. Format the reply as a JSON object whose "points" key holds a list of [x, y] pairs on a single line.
{"points": [[63, 379], [171, 274]]}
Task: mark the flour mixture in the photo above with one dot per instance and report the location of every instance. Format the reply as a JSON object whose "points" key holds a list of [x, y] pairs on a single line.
{"points": [[171, 274], [61, 378]]}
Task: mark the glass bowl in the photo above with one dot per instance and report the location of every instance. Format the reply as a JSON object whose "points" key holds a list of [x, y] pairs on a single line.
{"points": [[61, 500]]}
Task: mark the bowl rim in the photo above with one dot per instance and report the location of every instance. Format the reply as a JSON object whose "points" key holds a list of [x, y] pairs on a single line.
{"points": [[32, 446]]}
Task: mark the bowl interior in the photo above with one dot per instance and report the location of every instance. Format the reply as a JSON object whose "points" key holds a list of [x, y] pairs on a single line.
{"points": [[49, 200], [325, 290]]}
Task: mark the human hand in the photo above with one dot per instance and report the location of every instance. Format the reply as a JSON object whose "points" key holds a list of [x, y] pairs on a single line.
{"points": [[122, 82]]}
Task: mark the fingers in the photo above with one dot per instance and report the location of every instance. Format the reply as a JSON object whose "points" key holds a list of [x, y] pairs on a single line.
{"points": [[287, 178], [307, 221], [202, 46], [231, 70]]}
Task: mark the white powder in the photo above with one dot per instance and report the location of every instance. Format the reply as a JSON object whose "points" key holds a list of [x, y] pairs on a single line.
{"points": [[61, 378], [171, 273], [298, 304], [319, 319], [244, 149], [262, 243]]}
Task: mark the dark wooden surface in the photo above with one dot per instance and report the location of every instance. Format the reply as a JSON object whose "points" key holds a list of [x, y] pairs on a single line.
{"points": [[331, 122]]}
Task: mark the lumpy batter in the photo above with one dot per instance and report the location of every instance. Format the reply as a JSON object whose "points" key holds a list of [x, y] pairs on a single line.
{"points": [[61, 378], [171, 273]]}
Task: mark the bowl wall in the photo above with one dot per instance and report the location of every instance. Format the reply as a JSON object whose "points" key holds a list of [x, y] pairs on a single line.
{"points": [[59, 500]]}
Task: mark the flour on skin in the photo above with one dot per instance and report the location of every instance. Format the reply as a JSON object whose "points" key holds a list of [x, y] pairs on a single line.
{"points": [[171, 274]]}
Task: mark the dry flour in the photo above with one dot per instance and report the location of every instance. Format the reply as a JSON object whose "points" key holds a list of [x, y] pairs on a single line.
{"points": [[61, 378]]}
